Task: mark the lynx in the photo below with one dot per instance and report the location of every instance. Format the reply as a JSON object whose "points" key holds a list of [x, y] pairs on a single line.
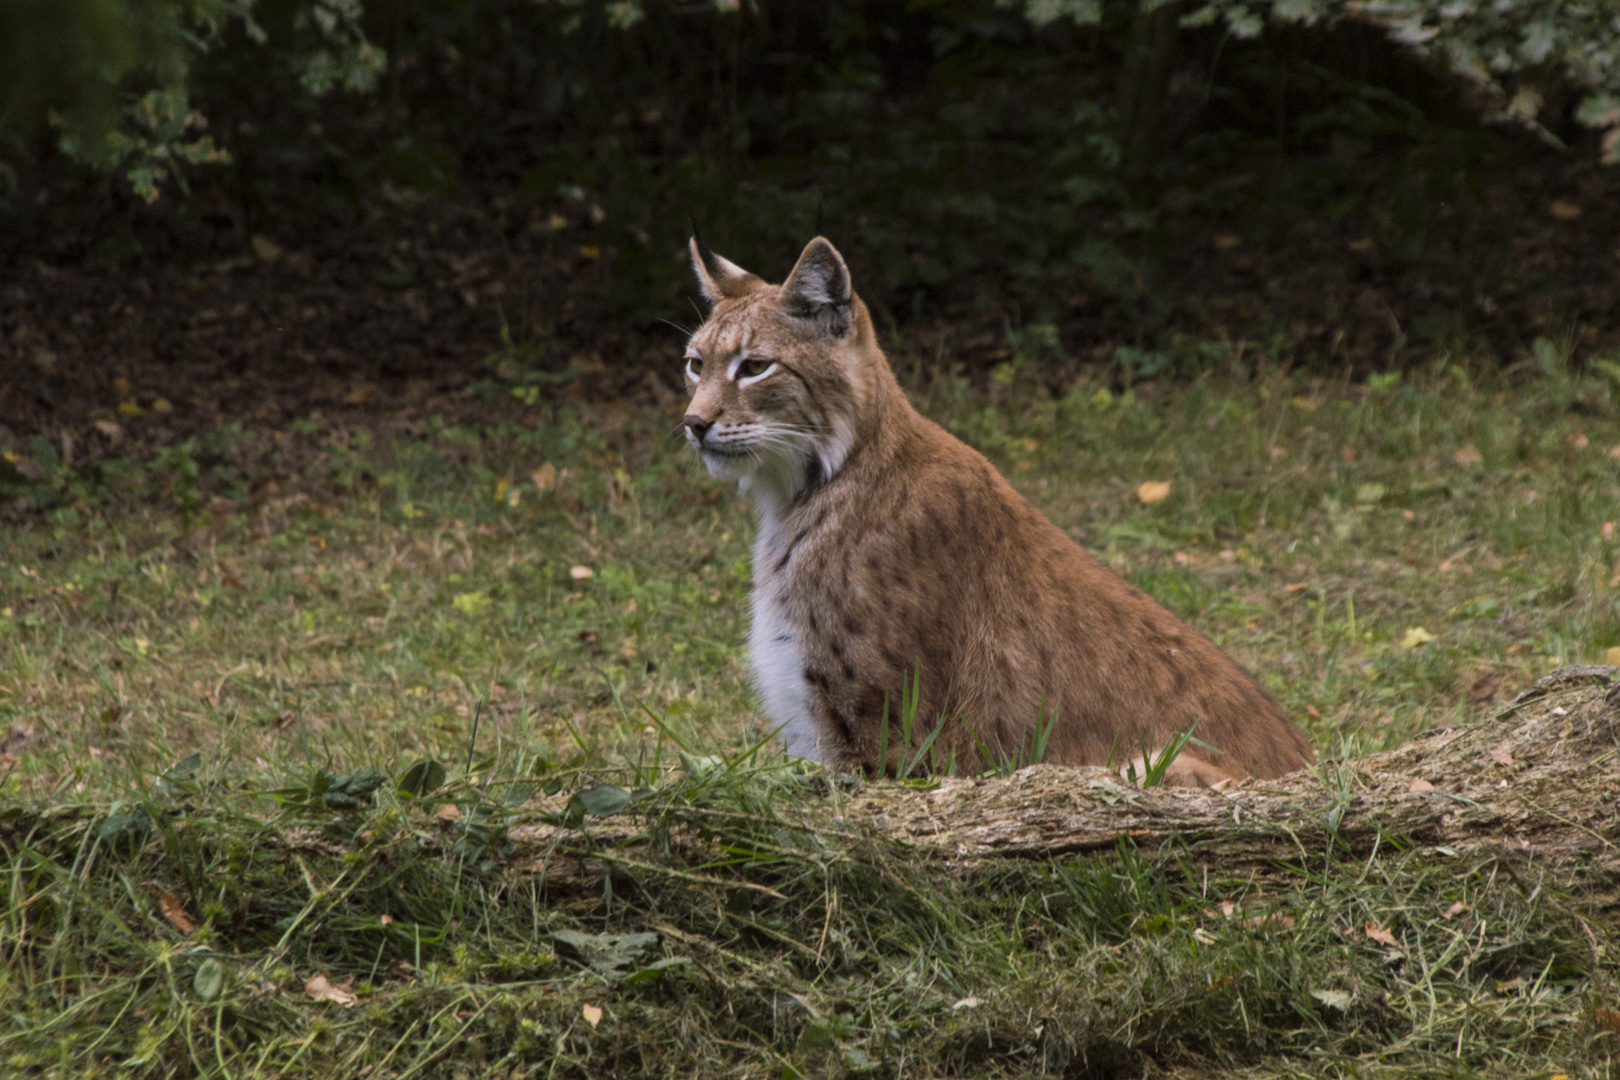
{"points": [[889, 553]]}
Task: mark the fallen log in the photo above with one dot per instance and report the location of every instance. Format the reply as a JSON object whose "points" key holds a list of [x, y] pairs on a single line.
{"points": [[1538, 785]]}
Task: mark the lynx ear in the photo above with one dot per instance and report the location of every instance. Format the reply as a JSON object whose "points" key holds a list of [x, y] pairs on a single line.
{"points": [[819, 287], [720, 279]]}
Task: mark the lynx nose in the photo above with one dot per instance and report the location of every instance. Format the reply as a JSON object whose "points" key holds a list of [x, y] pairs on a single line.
{"points": [[697, 425]]}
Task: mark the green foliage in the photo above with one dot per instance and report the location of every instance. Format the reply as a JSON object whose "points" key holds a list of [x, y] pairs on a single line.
{"points": [[111, 77], [1518, 51]]}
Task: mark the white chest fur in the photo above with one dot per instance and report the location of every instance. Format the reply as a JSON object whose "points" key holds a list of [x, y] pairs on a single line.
{"points": [[776, 656]]}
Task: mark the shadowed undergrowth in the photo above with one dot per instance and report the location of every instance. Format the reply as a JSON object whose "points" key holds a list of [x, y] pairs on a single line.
{"points": [[220, 667]]}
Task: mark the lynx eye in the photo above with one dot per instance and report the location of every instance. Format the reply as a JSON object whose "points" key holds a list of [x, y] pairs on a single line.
{"points": [[751, 368], [694, 365]]}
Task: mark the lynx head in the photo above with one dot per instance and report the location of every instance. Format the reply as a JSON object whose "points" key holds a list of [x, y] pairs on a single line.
{"points": [[776, 372]]}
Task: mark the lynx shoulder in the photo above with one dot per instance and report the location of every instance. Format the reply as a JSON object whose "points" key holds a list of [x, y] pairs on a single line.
{"points": [[890, 553]]}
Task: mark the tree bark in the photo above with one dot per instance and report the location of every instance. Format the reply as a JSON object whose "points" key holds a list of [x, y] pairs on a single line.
{"points": [[1144, 80]]}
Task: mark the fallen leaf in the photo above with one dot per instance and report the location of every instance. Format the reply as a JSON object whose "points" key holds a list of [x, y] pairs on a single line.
{"points": [[1468, 455], [1152, 491], [110, 429], [627, 649], [1415, 636], [581, 573], [1347, 453], [1379, 934], [1227, 241], [1501, 757], [175, 912], [1297, 586], [1578, 441], [1181, 558], [1227, 908], [592, 1014], [320, 988], [1485, 687], [586, 636], [359, 395], [1276, 920], [1612, 656], [1608, 1019], [449, 812], [1333, 999], [1454, 910], [1419, 785], [1607, 531], [162, 405], [1564, 210], [544, 478], [265, 248]]}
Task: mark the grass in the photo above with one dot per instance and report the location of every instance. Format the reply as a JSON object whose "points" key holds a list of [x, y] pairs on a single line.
{"points": [[249, 829]]}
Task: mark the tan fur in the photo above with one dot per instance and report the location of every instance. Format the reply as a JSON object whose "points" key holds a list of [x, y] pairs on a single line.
{"points": [[886, 545]]}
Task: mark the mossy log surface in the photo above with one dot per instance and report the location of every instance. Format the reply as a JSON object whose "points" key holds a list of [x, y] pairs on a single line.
{"points": [[1539, 783]]}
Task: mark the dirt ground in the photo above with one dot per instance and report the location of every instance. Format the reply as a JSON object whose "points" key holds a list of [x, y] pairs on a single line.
{"points": [[392, 318]]}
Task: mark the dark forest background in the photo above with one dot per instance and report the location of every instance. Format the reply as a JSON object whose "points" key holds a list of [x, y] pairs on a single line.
{"points": [[505, 199]]}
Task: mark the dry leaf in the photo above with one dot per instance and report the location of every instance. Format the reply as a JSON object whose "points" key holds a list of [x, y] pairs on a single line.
{"points": [[265, 248], [1485, 687], [359, 395], [1501, 757], [449, 812], [1607, 531], [581, 573], [1415, 636], [1612, 656], [1347, 452], [1298, 586], [1377, 933], [1468, 455], [1607, 1019], [545, 477], [1578, 441], [627, 649], [1276, 920], [1227, 241], [1564, 210], [174, 911], [320, 988], [1152, 491], [592, 1014], [1454, 910], [1418, 785]]}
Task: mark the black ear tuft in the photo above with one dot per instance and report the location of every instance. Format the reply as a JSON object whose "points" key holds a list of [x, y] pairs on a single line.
{"points": [[720, 279], [819, 287]]}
